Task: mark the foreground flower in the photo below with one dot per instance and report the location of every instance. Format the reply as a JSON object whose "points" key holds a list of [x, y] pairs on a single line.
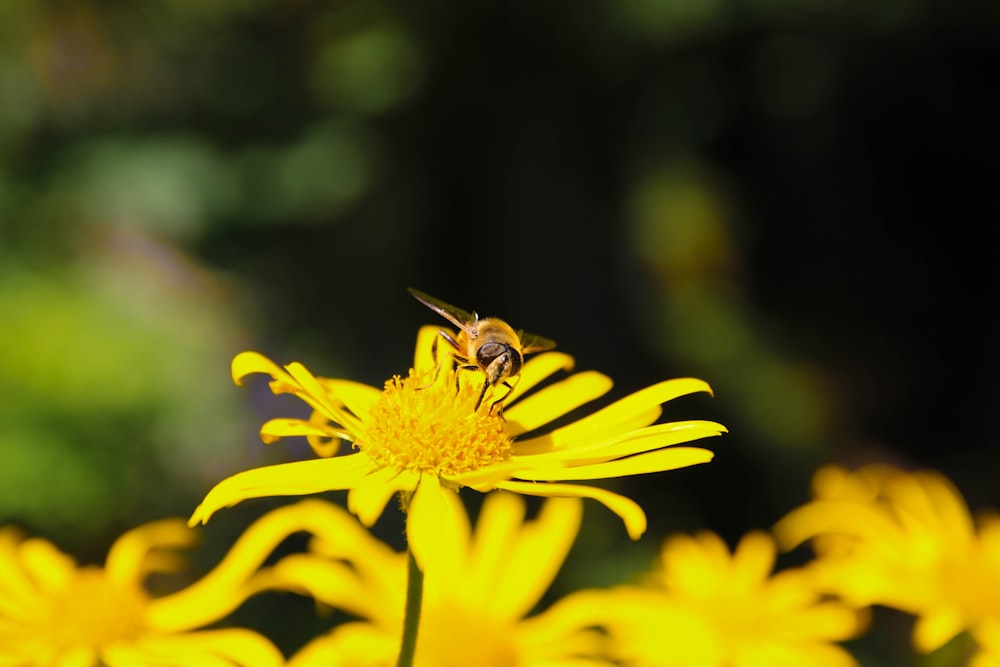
{"points": [[907, 541], [422, 432], [478, 587], [55, 613], [705, 607]]}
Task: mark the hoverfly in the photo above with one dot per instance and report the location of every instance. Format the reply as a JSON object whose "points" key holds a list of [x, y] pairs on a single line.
{"points": [[488, 344]]}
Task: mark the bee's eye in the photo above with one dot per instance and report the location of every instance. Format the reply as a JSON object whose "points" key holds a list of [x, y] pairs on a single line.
{"points": [[515, 362], [489, 352]]}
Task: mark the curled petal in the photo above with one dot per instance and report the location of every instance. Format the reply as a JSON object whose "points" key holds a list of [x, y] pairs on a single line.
{"points": [[626, 508], [225, 587], [128, 559], [333, 583], [283, 427], [248, 363]]}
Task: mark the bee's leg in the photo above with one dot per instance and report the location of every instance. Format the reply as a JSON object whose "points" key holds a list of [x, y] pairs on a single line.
{"points": [[434, 354], [434, 350], [500, 400]]}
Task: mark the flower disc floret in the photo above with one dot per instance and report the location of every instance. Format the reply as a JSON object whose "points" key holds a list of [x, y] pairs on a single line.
{"points": [[425, 425], [93, 611]]}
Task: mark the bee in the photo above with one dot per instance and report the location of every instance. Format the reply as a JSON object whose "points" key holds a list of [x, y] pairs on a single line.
{"points": [[488, 344]]}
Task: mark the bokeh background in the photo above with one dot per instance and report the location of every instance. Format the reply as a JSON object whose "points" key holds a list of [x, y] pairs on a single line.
{"points": [[792, 199]]}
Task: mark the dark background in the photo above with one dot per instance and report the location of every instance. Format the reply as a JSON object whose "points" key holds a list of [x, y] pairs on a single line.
{"points": [[792, 200]]}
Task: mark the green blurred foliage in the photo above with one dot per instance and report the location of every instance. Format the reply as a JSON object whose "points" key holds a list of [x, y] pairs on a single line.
{"points": [[769, 194], [114, 382]]}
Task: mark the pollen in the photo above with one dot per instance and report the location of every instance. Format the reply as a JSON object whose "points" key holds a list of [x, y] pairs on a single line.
{"points": [[429, 424], [92, 610]]}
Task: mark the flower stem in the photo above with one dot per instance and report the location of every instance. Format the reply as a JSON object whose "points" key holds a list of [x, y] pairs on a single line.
{"points": [[414, 597]]}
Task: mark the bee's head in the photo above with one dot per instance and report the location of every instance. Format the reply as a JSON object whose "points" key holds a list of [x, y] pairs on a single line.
{"points": [[499, 360]]}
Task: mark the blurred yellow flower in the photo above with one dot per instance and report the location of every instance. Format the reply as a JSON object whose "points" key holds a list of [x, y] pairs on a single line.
{"points": [[422, 433], [54, 613], [478, 587], [904, 540], [987, 635], [705, 607]]}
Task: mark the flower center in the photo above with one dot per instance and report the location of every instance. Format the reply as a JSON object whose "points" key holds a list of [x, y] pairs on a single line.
{"points": [[427, 424], [93, 611]]}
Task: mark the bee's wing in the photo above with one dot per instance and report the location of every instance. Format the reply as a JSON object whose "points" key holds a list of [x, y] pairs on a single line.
{"points": [[460, 318], [533, 343]]}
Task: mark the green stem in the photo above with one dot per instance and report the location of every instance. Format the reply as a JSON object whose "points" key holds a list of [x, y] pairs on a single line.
{"points": [[414, 597]]}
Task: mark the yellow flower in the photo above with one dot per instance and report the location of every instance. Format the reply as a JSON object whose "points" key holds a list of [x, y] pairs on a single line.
{"points": [[422, 432], [478, 587], [907, 541], [987, 636], [705, 607], [55, 613]]}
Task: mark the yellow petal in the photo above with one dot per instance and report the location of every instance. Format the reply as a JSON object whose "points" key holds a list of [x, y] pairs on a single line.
{"points": [[554, 401], [287, 479], [331, 582], [946, 505], [378, 569], [753, 560], [632, 412], [830, 621], [499, 522], [486, 478], [221, 590], [367, 500], [534, 558], [935, 629], [437, 527], [283, 427], [328, 444], [823, 516], [626, 508], [128, 558], [641, 440], [356, 396], [229, 646], [658, 461], [247, 363], [558, 633], [349, 645], [48, 568], [77, 656], [17, 591], [313, 392], [537, 369], [423, 360]]}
